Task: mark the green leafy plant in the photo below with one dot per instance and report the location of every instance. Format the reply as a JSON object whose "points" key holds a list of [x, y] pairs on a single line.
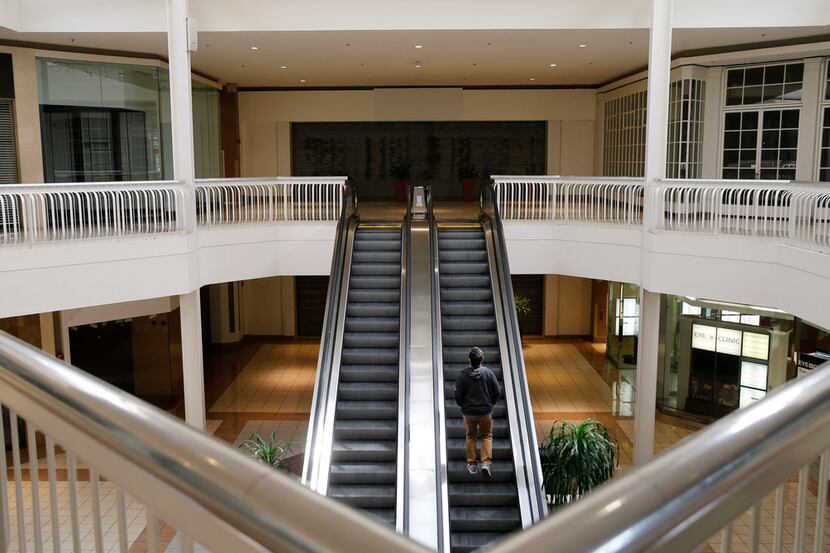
{"points": [[467, 171], [271, 451], [523, 305], [576, 458], [401, 168]]}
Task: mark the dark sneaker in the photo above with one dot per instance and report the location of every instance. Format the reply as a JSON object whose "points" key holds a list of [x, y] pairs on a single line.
{"points": [[472, 468], [485, 470]]}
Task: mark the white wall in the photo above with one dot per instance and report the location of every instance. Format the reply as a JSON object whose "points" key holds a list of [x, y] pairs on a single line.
{"points": [[265, 118], [268, 306], [567, 306]]}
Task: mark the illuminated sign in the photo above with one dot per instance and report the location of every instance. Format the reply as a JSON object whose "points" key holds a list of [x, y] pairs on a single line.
{"points": [[756, 345], [753, 375], [703, 337], [729, 341], [750, 396]]}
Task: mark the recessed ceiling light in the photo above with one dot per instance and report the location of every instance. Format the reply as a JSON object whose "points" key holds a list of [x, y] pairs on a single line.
{"points": [[302, 80], [417, 66], [532, 79], [254, 47], [419, 46], [583, 45], [283, 67], [553, 65]]}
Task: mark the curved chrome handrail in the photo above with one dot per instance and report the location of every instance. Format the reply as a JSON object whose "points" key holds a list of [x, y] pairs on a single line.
{"points": [[269, 508], [528, 443], [690, 491], [324, 361]]}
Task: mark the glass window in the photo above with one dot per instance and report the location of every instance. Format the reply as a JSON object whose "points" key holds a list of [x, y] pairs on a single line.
{"points": [[824, 154], [764, 85], [685, 136], [770, 154], [8, 149], [624, 136]]}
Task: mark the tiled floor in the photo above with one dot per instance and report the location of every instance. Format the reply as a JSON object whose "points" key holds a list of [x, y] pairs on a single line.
{"points": [[267, 385]]}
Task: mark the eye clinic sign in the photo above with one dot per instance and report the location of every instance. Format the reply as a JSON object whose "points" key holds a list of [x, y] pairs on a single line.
{"points": [[704, 337], [729, 341]]}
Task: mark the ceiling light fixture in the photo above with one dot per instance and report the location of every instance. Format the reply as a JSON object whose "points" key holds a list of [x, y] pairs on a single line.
{"points": [[553, 65], [583, 45], [254, 47], [532, 79], [283, 67], [302, 80], [417, 66], [419, 46]]}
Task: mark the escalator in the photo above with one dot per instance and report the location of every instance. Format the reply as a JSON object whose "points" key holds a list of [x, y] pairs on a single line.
{"points": [[363, 469], [480, 510], [354, 448]]}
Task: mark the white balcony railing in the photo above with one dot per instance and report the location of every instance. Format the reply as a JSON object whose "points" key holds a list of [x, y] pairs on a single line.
{"points": [[791, 212], [239, 201], [47, 212], [569, 200]]}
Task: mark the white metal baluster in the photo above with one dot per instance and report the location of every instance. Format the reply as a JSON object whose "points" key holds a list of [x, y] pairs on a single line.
{"points": [[284, 201], [95, 498], [726, 539], [821, 503], [34, 479], [18, 483], [755, 536], [152, 531], [5, 527], [121, 513], [53, 494], [71, 467], [801, 509], [778, 529]]}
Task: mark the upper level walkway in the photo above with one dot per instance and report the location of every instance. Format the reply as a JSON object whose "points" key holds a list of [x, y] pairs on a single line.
{"points": [[754, 242]]}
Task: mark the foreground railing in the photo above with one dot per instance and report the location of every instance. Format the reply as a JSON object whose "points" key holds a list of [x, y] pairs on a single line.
{"points": [[120, 474], [235, 201], [46, 212], [792, 212], [699, 487], [600, 200]]}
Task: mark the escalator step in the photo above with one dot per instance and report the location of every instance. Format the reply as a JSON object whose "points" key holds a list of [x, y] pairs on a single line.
{"points": [[364, 496], [373, 309], [465, 542], [482, 494], [471, 295], [455, 428], [502, 449], [492, 519], [369, 373], [370, 430], [467, 308], [364, 410], [455, 256], [503, 471], [369, 356], [390, 296], [467, 244], [466, 338], [363, 473], [463, 281], [461, 354], [373, 340], [472, 322], [386, 516], [374, 256], [368, 391], [374, 282], [375, 324], [375, 269], [465, 268], [377, 245], [363, 451]]}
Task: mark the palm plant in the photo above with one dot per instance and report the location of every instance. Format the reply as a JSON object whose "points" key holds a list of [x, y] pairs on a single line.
{"points": [[271, 451], [576, 458], [523, 305]]}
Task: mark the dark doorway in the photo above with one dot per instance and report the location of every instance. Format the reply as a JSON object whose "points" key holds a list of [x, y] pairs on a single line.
{"points": [[531, 287], [105, 350], [311, 304], [438, 154]]}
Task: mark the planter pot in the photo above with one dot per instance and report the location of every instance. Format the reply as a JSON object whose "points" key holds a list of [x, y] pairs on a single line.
{"points": [[470, 190], [401, 187]]}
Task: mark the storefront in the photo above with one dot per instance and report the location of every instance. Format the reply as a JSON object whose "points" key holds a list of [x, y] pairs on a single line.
{"points": [[719, 357]]}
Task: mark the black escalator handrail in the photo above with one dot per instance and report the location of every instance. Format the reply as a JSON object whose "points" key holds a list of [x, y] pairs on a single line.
{"points": [[530, 452], [322, 383]]}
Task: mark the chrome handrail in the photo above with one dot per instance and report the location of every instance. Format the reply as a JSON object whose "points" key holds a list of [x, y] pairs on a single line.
{"points": [[690, 491], [529, 470], [441, 474], [402, 465], [243, 496], [325, 358]]}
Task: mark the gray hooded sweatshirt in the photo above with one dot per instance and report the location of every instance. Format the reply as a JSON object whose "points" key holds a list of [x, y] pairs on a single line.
{"points": [[477, 391]]}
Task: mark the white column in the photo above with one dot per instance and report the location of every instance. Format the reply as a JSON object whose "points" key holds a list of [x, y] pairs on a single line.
{"points": [[810, 118], [659, 75], [181, 112]]}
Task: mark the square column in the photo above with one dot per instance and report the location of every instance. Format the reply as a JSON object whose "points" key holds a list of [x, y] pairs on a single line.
{"points": [[659, 77]]}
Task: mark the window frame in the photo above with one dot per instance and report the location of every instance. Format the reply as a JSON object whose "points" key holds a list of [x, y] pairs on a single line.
{"points": [[823, 105]]}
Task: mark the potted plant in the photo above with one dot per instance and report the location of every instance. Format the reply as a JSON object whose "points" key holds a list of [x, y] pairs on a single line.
{"points": [[468, 173], [575, 459], [523, 307], [400, 170], [271, 451]]}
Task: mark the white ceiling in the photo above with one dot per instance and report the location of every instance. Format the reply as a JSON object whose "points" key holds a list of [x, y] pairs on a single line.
{"points": [[381, 58]]}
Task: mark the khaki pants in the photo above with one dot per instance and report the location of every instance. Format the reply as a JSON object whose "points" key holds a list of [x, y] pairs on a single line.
{"points": [[472, 425]]}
